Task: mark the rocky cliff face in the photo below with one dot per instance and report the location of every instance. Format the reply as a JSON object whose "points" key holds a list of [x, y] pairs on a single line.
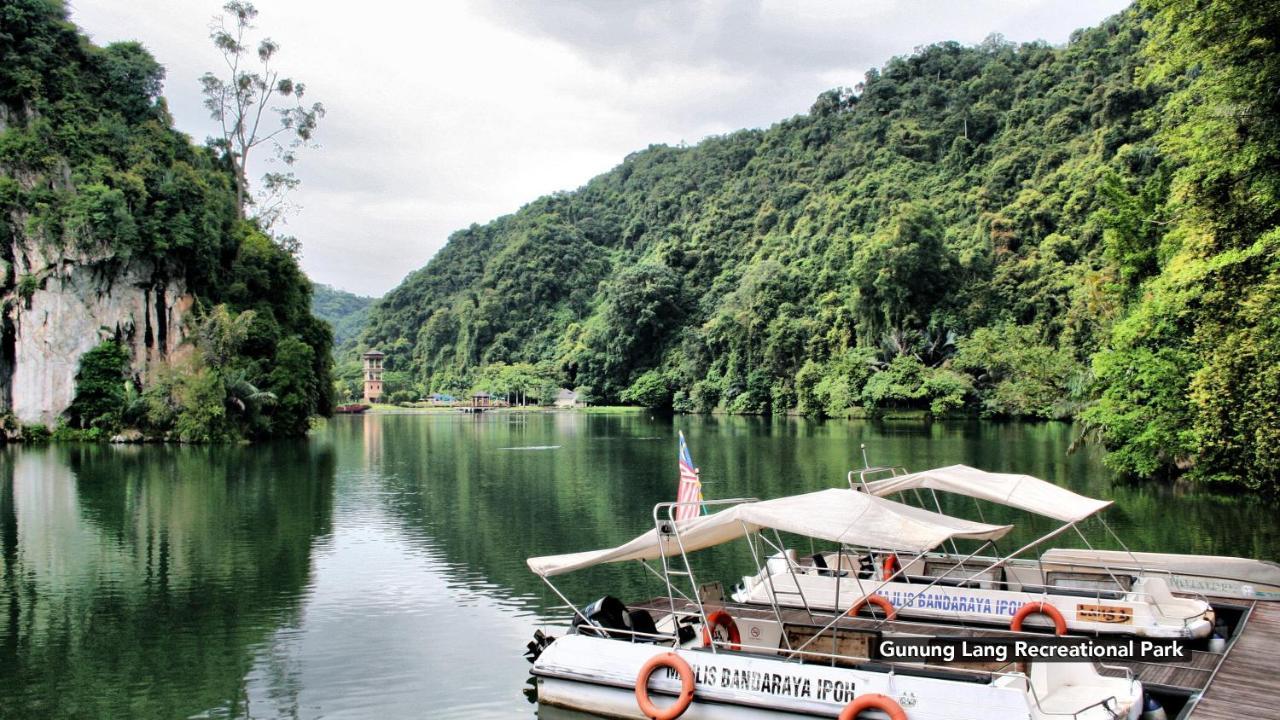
{"points": [[58, 308]]}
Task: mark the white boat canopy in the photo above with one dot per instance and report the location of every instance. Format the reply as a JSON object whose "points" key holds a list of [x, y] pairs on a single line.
{"points": [[1019, 491], [837, 514]]}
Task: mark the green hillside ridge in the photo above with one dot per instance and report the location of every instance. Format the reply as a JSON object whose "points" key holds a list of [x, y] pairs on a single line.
{"points": [[1018, 230], [347, 313], [92, 171]]}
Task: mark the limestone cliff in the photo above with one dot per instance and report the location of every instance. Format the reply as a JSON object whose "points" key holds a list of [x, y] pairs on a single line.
{"points": [[75, 304], [114, 225]]}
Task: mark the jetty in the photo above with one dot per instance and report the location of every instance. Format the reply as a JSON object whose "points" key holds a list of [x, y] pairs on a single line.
{"points": [[1244, 682]]}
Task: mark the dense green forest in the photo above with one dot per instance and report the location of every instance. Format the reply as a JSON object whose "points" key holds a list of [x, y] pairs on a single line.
{"points": [[347, 313], [1084, 231], [91, 167]]}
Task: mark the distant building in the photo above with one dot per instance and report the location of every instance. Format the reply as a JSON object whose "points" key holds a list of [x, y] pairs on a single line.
{"points": [[567, 398], [442, 399], [373, 376], [481, 399]]}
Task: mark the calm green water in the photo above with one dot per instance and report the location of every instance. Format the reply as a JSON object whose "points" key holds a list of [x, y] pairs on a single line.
{"points": [[378, 569]]}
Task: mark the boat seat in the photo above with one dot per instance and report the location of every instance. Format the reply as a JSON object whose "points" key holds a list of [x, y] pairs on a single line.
{"points": [[642, 622], [825, 570], [1068, 688], [1068, 699]]}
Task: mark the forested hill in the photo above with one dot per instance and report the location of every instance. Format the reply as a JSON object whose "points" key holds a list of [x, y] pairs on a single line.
{"points": [[133, 295], [347, 313], [1019, 230]]}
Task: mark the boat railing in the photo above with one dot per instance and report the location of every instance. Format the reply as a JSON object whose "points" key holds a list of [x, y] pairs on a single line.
{"points": [[671, 528], [807, 656], [598, 631], [867, 474], [1041, 590], [1144, 571], [1128, 671]]}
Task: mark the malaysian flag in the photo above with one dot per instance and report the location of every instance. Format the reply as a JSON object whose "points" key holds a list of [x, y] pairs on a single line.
{"points": [[690, 490]]}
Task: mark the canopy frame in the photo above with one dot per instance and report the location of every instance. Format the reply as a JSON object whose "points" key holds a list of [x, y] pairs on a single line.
{"points": [[882, 488]]}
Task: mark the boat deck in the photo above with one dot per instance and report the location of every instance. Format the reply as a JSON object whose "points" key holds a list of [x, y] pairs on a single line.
{"points": [[1245, 683], [1190, 677]]}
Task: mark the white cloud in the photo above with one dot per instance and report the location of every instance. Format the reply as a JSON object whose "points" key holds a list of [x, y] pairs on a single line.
{"points": [[444, 114]]}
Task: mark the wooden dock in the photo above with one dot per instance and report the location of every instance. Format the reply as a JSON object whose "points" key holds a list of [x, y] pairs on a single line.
{"points": [[1247, 680]]}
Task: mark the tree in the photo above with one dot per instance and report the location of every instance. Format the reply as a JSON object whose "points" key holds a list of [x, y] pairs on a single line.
{"points": [[242, 103], [293, 384], [100, 387], [902, 271], [222, 334], [649, 390]]}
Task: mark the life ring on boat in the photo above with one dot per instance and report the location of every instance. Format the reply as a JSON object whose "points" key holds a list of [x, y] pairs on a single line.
{"points": [[879, 601], [889, 566], [873, 701], [1059, 622], [722, 619], [667, 660]]}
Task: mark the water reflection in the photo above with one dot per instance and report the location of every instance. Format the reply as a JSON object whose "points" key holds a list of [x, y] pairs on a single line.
{"points": [[378, 569], [137, 581]]}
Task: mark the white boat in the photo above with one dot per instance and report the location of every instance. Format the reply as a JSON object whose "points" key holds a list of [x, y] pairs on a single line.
{"points": [[1212, 575], [619, 662], [969, 587]]}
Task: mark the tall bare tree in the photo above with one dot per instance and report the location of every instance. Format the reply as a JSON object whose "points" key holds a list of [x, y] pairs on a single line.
{"points": [[255, 106]]}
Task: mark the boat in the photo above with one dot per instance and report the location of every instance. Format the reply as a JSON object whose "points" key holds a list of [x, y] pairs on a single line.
{"points": [[950, 585], [1215, 576], [619, 661]]}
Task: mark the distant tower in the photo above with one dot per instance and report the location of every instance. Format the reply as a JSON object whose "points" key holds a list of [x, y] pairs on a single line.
{"points": [[373, 376]]}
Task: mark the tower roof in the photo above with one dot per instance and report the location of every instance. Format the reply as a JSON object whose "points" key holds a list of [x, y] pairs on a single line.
{"points": [[373, 353]]}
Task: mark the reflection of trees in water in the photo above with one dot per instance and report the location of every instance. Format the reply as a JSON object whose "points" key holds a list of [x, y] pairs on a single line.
{"points": [[142, 578], [9, 557], [487, 509]]}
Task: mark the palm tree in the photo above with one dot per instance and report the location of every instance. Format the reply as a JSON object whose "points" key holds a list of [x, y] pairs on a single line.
{"points": [[245, 397]]}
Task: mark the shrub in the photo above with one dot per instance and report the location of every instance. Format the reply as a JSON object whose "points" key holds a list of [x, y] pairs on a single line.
{"points": [[650, 390], [401, 397], [946, 390], [901, 384], [1016, 374], [100, 388]]}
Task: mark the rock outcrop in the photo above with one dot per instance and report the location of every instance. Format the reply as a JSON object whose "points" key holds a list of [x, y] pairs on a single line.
{"points": [[61, 307]]}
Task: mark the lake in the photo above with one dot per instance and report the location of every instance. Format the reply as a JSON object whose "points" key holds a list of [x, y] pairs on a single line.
{"points": [[377, 570]]}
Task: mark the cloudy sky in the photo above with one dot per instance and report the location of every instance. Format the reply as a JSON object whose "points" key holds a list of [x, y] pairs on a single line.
{"points": [[442, 114]]}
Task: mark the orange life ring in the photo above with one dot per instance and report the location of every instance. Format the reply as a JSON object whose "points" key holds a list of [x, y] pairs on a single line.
{"points": [[1059, 622], [889, 566], [721, 618], [873, 701], [677, 663], [877, 600]]}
